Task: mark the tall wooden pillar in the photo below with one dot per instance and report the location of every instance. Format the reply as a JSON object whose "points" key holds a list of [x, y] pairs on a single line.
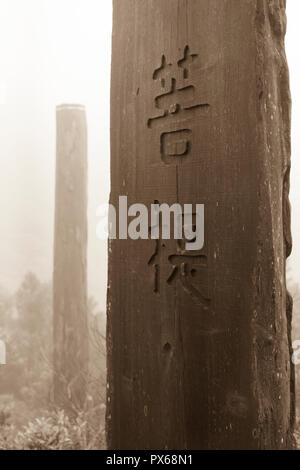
{"points": [[198, 358], [70, 258]]}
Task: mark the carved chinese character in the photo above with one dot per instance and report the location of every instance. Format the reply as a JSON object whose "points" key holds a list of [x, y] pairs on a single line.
{"points": [[174, 104], [184, 266]]}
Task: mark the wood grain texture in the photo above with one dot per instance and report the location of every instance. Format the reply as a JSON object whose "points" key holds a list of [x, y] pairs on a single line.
{"points": [[200, 113]]}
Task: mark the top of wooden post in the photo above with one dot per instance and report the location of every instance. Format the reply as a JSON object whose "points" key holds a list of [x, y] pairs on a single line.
{"points": [[79, 107]]}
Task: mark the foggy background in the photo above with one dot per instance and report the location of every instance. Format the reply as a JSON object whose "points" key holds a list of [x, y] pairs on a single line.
{"points": [[51, 52], [58, 51]]}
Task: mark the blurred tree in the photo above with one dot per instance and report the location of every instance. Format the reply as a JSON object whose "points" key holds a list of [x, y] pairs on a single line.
{"points": [[7, 314], [33, 302], [26, 326]]}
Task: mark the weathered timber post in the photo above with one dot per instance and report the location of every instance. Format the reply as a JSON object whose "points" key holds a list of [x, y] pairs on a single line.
{"points": [[198, 358], [70, 258]]}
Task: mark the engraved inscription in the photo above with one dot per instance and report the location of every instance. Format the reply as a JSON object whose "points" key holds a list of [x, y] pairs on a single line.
{"points": [[175, 264], [175, 144], [186, 61], [175, 103]]}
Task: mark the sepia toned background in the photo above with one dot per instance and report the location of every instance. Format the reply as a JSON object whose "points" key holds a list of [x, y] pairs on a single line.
{"points": [[53, 52]]}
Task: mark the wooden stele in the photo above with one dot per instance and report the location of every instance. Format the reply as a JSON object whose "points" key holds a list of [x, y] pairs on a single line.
{"points": [[199, 347], [70, 258]]}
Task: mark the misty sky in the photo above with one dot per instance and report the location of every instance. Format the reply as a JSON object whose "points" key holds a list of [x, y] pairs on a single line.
{"points": [[51, 52], [58, 51]]}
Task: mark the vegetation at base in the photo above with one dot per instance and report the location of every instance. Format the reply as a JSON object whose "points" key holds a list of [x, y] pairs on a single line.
{"points": [[29, 420]]}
